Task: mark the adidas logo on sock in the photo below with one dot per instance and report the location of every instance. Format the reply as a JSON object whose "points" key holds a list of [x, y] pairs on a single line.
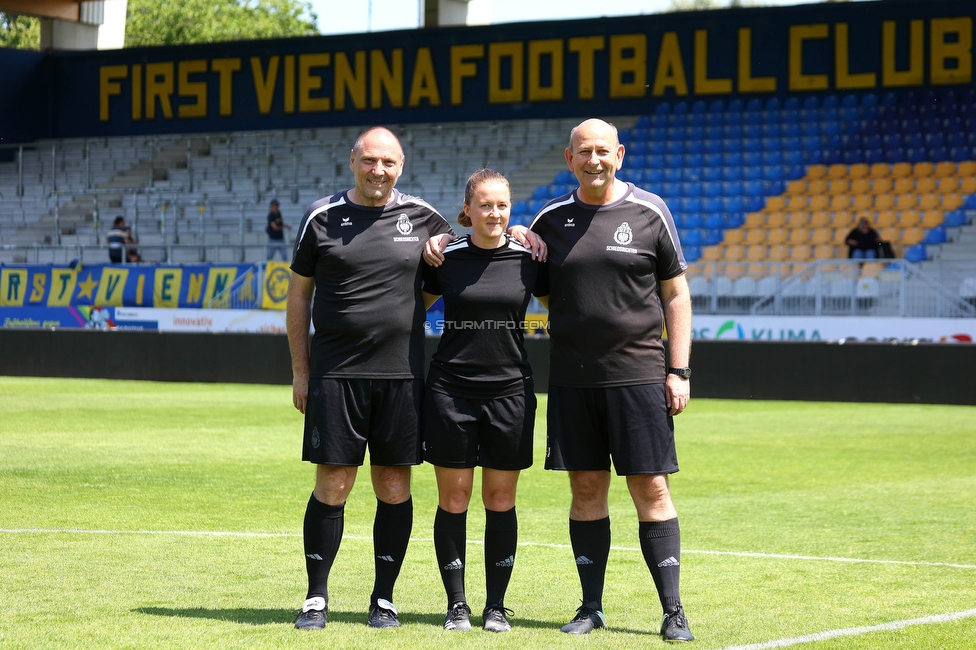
{"points": [[507, 562], [313, 556], [456, 565], [385, 558], [669, 562], [582, 559]]}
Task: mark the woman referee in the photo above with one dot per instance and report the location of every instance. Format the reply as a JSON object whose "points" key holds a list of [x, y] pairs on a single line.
{"points": [[479, 406]]}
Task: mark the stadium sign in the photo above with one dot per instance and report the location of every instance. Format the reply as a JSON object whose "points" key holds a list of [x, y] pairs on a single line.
{"points": [[827, 328], [613, 66]]}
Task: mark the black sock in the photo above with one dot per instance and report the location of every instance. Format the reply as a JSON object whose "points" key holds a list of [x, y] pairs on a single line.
{"points": [[391, 534], [501, 540], [450, 533], [591, 547], [322, 533], [661, 544]]}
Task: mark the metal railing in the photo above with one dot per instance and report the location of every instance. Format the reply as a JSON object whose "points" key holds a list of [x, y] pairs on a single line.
{"points": [[889, 288]]}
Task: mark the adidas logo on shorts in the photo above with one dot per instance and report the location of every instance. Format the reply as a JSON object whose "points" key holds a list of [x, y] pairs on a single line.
{"points": [[507, 562], [456, 565], [582, 559]]}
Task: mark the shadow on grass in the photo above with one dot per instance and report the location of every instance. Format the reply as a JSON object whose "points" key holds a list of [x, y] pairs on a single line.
{"points": [[246, 616]]}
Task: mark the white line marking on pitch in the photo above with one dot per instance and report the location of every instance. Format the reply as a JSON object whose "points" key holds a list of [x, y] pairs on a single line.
{"points": [[855, 631], [218, 533]]}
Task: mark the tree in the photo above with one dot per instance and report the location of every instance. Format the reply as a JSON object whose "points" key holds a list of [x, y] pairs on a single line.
{"points": [[20, 32], [155, 22]]}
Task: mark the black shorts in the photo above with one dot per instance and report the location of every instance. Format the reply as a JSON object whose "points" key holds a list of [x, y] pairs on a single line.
{"points": [[469, 432], [628, 424], [344, 416]]}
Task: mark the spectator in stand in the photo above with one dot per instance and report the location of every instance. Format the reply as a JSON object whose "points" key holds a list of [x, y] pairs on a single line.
{"points": [[863, 241], [276, 232], [117, 238]]}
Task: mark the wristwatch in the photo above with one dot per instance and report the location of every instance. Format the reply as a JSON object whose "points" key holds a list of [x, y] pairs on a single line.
{"points": [[684, 373]]}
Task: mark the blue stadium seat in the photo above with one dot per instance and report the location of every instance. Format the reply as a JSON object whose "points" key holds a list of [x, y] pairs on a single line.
{"points": [[773, 104], [871, 141], [716, 106], [954, 219], [733, 204], [541, 192], [853, 156], [731, 145], [869, 100], [732, 158], [694, 159], [755, 203], [916, 253], [692, 253], [714, 220], [712, 204], [753, 173], [752, 131], [699, 107], [693, 133], [793, 172], [893, 155], [733, 118], [815, 157], [643, 121], [713, 237], [658, 147], [771, 144], [732, 188], [772, 157], [775, 186], [774, 172], [693, 174], [811, 102], [792, 103], [970, 202], [830, 101], [672, 174], [660, 120], [935, 236], [811, 129], [664, 108], [734, 220], [889, 99], [916, 155], [655, 161], [731, 173], [833, 157], [675, 146], [712, 174], [830, 128], [849, 101], [793, 156], [792, 130], [692, 220], [959, 154], [752, 158], [674, 160], [938, 154], [872, 156], [693, 204], [654, 175], [535, 205]]}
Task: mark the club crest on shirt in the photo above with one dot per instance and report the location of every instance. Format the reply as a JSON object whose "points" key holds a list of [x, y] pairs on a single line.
{"points": [[623, 235], [403, 225]]}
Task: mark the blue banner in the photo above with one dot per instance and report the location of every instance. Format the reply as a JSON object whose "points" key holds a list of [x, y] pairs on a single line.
{"points": [[112, 285]]}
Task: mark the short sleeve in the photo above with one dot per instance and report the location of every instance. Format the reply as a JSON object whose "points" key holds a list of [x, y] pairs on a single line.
{"points": [[431, 284], [541, 287]]}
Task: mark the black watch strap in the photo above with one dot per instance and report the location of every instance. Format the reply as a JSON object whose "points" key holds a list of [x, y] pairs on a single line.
{"points": [[684, 373]]}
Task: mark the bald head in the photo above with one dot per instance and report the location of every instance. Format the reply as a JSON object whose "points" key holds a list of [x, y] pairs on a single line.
{"points": [[379, 136], [595, 155], [376, 160], [593, 127]]}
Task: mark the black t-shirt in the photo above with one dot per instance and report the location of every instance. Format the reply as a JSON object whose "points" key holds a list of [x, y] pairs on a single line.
{"points": [[866, 241], [605, 262], [275, 219], [367, 309], [486, 292]]}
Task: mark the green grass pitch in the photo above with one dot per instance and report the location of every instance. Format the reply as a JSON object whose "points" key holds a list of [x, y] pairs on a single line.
{"points": [[158, 515]]}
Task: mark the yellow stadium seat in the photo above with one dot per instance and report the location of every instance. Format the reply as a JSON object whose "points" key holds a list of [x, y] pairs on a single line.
{"points": [[840, 233], [886, 219], [906, 201], [860, 170], [879, 170], [840, 203], [925, 184], [733, 253], [734, 270], [946, 184], [705, 269], [862, 202], [824, 252], [777, 253], [903, 184], [923, 168], [800, 219], [930, 218], [883, 202], [776, 219], [881, 185], [816, 171], [871, 269], [777, 202], [822, 236], [757, 253], [911, 236], [929, 201], [797, 202], [817, 186], [776, 236], [755, 220], [801, 253], [734, 236], [908, 218], [799, 186], [755, 236], [756, 270], [967, 184], [861, 186], [966, 168], [818, 202], [901, 169], [798, 236], [838, 185], [951, 201], [712, 254], [819, 219], [838, 170], [944, 169]]}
